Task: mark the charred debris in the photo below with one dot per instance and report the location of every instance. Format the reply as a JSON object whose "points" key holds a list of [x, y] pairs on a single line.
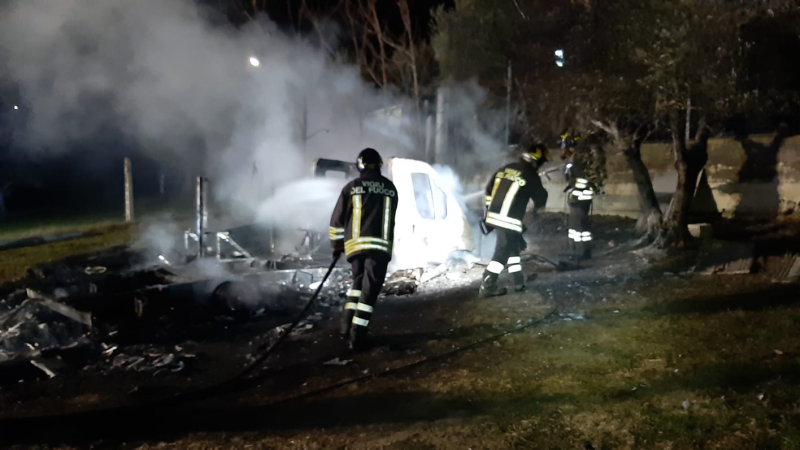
{"points": [[129, 310]]}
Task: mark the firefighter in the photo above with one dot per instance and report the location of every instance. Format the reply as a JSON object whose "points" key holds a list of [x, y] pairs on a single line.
{"points": [[362, 227], [569, 142], [580, 194], [507, 196]]}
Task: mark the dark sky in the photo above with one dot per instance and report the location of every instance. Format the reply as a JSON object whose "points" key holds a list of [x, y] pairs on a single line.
{"points": [[286, 12]]}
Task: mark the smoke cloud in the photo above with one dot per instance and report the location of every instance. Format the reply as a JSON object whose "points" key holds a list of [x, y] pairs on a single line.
{"points": [[180, 86], [183, 89]]}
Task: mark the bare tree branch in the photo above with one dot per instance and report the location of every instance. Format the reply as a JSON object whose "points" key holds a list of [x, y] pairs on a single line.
{"points": [[521, 13], [608, 128]]}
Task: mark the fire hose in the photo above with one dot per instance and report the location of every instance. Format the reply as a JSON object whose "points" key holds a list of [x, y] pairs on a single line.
{"points": [[210, 390], [7, 429], [6, 426]]}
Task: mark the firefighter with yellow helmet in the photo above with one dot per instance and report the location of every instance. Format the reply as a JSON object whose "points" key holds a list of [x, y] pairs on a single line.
{"points": [[507, 195]]}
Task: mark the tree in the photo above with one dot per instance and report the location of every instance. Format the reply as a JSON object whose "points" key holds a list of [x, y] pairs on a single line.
{"points": [[632, 68]]}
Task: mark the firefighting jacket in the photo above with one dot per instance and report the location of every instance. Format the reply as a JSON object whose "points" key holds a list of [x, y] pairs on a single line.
{"points": [[363, 220], [579, 188], [508, 193]]}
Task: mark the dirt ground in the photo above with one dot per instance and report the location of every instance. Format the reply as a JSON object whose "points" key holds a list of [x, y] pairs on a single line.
{"points": [[621, 353]]}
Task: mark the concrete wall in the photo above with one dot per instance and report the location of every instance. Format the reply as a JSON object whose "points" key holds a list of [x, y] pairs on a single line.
{"points": [[745, 183]]}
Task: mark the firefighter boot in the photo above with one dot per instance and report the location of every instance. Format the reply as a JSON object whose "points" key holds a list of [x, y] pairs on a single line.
{"points": [[359, 339], [489, 287], [584, 251], [519, 282], [346, 322]]}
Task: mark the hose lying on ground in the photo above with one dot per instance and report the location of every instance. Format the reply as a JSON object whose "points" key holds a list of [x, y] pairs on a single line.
{"points": [[197, 394], [223, 387]]}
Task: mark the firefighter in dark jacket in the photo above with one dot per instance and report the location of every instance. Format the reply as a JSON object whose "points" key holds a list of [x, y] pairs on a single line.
{"points": [[507, 195], [580, 194], [581, 174], [362, 227]]}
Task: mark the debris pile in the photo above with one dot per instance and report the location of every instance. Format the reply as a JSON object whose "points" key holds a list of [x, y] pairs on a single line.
{"points": [[788, 270], [403, 282], [155, 362], [40, 324], [726, 258], [97, 312]]}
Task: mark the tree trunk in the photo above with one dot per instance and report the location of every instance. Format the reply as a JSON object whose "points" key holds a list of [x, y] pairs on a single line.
{"points": [[689, 162], [649, 222]]}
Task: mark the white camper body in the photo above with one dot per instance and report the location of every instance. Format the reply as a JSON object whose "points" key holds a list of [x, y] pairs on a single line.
{"points": [[430, 223]]}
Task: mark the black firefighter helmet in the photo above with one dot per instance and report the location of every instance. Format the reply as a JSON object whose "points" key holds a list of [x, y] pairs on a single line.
{"points": [[369, 159]]}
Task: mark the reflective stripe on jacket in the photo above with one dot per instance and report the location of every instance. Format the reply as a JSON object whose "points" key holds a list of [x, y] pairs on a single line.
{"points": [[508, 194], [363, 219]]}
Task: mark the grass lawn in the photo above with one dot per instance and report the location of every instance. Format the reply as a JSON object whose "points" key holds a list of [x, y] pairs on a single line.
{"points": [[14, 263], [701, 362], [106, 227]]}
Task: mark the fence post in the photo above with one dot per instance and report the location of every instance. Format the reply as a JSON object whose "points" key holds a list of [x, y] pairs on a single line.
{"points": [[201, 218], [128, 191]]}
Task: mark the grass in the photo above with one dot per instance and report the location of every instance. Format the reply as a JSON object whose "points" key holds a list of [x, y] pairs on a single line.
{"points": [[15, 263], [686, 363], [656, 375], [664, 363], [43, 224], [622, 379], [104, 229]]}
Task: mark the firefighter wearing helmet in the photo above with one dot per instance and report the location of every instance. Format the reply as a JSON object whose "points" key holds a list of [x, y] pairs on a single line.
{"points": [[580, 191], [362, 227], [507, 195]]}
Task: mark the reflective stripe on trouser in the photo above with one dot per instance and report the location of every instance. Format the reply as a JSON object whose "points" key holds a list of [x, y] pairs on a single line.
{"points": [[515, 269], [509, 245], [353, 296], [369, 271], [363, 314], [580, 230]]}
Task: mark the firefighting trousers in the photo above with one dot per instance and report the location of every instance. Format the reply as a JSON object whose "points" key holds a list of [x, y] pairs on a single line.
{"points": [[580, 229], [369, 273], [507, 251]]}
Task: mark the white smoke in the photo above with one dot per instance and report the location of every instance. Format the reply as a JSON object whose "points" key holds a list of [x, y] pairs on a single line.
{"points": [[313, 202], [184, 90], [181, 87]]}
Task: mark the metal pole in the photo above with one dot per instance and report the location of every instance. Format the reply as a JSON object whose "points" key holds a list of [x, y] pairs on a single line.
{"points": [[508, 105], [428, 130], [128, 190], [688, 118], [161, 182], [441, 125], [201, 219], [304, 125]]}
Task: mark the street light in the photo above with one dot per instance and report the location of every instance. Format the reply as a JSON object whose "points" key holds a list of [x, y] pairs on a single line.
{"points": [[254, 61], [560, 57], [16, 107]]}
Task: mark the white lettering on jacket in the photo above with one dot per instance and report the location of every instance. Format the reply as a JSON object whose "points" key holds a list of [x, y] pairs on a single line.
{"points": [[373, 187]]}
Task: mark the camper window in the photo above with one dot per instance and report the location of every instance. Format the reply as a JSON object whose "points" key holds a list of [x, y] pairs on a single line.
{"points": [[423, 195], [440, 202]]}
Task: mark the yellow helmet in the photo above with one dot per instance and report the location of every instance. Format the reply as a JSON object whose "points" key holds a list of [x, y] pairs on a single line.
{"points": [[537, 152]]}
